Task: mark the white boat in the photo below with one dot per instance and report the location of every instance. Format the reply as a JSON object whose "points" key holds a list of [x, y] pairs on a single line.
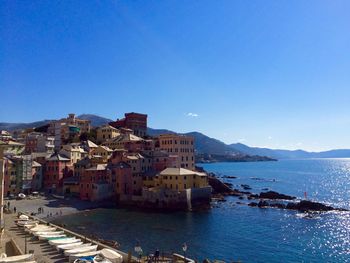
{"points": [[27, 227], [42, 229], [68, 246], [112, 255], [63, 241], [44, 237], [58, 196], [101, 259], [74, 246], [19, 258], [82, 260], [86, 254], [48, 233], [23, 223], [23, 217], [80, 250]]}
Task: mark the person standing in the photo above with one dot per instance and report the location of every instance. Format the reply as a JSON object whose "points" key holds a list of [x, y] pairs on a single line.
{"points": [[15, 210], [8, 204]]}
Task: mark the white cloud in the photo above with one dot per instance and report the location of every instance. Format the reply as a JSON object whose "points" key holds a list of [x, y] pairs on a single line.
{"points": [[299, 144], [270, 137], [191, 114], [242, 140]]}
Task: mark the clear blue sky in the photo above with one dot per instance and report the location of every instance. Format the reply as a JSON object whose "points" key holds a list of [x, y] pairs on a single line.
{"points": [[266, 73]]}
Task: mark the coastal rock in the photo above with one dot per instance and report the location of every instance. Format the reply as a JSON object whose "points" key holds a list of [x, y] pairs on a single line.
{"points": [[218, 186], [253, 196], [275, 195], [253, 204], [263, 204], [235, 193], [278, 205], [246, 187], [306, 205], [230, 177]]}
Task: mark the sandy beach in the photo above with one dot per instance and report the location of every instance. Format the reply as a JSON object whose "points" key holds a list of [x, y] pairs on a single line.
{"points": [[51, 207]]}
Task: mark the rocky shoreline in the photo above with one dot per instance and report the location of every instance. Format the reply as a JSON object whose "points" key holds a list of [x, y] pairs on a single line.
{"points": [[268, 199]]}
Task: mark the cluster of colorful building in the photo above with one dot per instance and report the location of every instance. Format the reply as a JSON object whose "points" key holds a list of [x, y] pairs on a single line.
{"points": [[117, 161]]}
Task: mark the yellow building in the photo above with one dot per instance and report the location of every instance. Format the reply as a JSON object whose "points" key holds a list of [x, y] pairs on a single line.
{"points": [[74, 152], [181, 179], [102, 151], [181, 146], [106, 132]]}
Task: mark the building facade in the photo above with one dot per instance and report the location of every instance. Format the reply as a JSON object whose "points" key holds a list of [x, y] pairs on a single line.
{"points": [[134, 121], [181, 146]]}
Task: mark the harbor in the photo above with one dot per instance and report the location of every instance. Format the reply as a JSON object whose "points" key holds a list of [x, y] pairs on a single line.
{"points": [[25, 238]]}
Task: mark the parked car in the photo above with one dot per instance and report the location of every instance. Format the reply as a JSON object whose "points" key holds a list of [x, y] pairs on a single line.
{"points": [[21, 196]]}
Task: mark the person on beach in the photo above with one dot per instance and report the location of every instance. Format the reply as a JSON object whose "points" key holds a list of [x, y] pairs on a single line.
{"points": [[8, 204], [39, 210], [14, 209]]}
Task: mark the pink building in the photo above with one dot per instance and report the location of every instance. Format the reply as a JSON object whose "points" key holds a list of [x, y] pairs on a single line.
{"points": [[96, 183], [57, 168]]}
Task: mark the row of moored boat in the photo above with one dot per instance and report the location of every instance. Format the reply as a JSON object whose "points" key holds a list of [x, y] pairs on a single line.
{"points": [[72, 247]]}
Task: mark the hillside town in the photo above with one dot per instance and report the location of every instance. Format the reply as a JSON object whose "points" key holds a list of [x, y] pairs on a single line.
{"points": [[118, 161]]}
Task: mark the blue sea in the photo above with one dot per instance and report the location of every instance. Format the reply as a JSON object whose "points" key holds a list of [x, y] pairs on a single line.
{"points": [[230, 231]]}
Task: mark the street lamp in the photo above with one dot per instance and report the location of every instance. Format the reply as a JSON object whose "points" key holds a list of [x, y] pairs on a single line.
{"points": [[184, 248], [138, 250]]}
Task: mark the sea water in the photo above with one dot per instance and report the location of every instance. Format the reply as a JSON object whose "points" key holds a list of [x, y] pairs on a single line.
{"points": [[230, 231]]}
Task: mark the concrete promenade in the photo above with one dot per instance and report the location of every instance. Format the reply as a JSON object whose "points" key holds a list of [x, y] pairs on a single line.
{"points": [[44, 253], [53, 208]]}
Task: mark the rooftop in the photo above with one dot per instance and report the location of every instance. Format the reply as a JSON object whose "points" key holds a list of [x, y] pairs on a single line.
{"points": [[180, 171], [58, 157]]}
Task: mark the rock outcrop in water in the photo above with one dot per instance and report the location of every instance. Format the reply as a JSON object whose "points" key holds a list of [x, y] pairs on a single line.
{"points": [[305, 205], [218, 186], [302, 206], [221, 189], [275, 195]]}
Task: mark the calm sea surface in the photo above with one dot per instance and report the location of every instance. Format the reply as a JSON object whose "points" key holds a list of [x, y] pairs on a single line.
{"points": [[230, 231]]}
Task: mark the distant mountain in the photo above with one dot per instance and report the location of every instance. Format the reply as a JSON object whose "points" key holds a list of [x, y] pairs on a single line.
{"points": [[19, 126], [95, 119], [289, 154], [156, 132], [203, 143]]}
